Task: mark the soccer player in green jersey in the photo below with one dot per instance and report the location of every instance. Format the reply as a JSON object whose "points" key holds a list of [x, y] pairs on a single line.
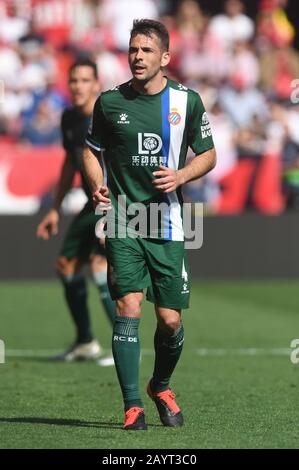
{"points": [[80, 245], [140, 134]]}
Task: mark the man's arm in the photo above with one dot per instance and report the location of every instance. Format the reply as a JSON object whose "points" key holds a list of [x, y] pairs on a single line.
{"points": [[92, 170], [65, 181], [49, 224], [168, 179], [94, 176]]}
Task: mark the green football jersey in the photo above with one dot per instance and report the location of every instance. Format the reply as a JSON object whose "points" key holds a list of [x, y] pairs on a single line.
{"points": [[136, 133]]}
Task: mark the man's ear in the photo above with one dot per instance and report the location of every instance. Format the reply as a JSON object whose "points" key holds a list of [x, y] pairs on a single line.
{"points": [[98, 86], [165, 59]]}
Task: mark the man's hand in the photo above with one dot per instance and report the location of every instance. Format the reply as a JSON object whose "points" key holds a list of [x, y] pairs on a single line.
{"points": [[49, 225], [168, 179], [100, 197]]}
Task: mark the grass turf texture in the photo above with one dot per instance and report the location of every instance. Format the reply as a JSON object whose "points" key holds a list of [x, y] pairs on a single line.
{"points": [[228, 401]]}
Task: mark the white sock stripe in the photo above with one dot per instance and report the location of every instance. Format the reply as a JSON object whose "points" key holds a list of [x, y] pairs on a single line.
{"points": [[100, 278]]}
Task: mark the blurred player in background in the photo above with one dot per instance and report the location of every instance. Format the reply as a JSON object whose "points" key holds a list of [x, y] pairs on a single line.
{"points": [[80, 245]]}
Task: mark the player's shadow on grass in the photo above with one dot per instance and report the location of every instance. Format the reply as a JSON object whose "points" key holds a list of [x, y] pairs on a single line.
{"points": [[68, 422]]}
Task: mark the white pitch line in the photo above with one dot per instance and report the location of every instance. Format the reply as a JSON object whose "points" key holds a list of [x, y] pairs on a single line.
{"points": [[245, 352], [31, 352], [148, 352]]}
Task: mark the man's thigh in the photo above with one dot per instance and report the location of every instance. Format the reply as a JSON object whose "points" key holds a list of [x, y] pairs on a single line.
{"points": [[127, 269]]}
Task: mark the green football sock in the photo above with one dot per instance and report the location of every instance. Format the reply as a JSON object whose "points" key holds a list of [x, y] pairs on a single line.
{"points": [[168, 350], [76, 297], [100, 280], [126, 353]]}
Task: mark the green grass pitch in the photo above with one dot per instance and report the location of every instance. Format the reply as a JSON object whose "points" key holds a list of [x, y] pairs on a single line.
{"points": [[235, 382]]}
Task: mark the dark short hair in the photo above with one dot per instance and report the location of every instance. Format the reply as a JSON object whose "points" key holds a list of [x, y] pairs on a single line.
{"points": [[84, 63], [150, 27]]}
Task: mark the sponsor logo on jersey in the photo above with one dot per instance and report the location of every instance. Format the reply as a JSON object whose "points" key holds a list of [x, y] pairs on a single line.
{"points": [[148, 160], [205, 127], [174, 117], [149, 143], [123, 119]]}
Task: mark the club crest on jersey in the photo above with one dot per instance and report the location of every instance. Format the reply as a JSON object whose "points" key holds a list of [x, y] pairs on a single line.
{"points": [[123, 119], [174, 117]]}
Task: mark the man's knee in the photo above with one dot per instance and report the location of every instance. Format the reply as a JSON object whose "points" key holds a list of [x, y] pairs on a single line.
{"points": [[129, 305], [170, 323], [66, 267]]}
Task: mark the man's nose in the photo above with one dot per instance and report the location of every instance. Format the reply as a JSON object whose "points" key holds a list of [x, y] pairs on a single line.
{"points": [[139, 54]]}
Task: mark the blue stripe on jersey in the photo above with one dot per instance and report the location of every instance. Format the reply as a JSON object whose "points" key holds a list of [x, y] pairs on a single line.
{"points": [[166, 142]]}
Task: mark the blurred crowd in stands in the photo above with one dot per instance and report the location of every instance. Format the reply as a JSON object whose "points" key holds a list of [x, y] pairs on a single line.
{"points": [[245, 70]]}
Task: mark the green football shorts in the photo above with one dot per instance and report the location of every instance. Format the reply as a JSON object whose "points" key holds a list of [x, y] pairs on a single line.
{"points": [[159, 265], [80, 240]]}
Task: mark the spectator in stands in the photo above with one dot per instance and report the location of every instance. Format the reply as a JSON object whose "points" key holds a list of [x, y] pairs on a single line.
{"points": [[279, 67], [242, 103], [279, 61], [244, 64], [99, 45], [200, 53], [43, 129], [13, 26], [119, 14], [225, 143], [273, 25], [232, 25]]}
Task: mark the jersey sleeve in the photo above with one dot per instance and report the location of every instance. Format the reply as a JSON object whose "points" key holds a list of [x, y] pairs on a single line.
{"points": [[199, 133], [64, 134], [95, 138]]}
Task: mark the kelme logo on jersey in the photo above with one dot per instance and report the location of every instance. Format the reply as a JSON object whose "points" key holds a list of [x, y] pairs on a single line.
{"points": [[205, 126], [149, 143], [174, 117], [185, 289], [123, 119]]}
